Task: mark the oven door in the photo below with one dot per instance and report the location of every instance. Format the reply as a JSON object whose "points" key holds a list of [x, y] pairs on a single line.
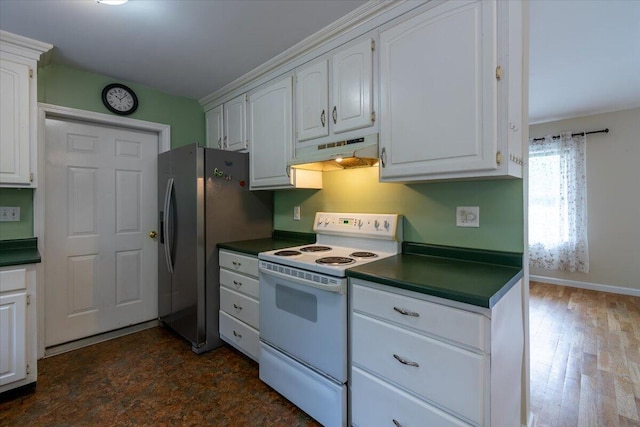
{"points": [[305, 322]]}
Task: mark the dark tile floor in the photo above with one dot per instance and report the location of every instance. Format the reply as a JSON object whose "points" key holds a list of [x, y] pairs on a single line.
{"points": [[150, 378]]}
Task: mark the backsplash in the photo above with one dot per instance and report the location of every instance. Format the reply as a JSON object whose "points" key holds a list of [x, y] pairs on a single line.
{"points": [[428, 208], [22, 198]]}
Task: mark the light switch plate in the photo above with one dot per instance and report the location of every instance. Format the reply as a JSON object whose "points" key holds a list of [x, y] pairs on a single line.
{"points": [[9, 213], [468, 216]]}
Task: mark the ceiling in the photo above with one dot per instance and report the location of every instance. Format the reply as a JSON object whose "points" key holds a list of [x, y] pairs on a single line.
{"points": [[584, 57]]}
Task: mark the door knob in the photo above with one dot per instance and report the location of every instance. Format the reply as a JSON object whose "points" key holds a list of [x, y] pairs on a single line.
{"points": [[153, 234]]}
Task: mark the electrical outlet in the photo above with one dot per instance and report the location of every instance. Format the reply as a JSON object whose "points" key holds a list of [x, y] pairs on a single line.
{"points": [[9, 213], [468, 216], [296, 213]]}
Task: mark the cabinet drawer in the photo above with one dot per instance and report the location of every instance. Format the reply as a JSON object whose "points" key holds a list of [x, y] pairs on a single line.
{"points": [[240, 335], [239, 263], [450, 376], [240, 306], [243, 284], [13, 279], [377, 403], [434, 319]]}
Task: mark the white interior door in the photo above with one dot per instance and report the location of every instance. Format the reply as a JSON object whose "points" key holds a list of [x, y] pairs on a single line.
{"points": [[100, 206]]}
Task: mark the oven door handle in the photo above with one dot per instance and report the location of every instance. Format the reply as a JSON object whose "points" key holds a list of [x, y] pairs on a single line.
{"points": [[338, 288]]}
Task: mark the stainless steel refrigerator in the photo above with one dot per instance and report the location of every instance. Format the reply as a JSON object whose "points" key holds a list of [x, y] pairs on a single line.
{"points": [[203, 199]]}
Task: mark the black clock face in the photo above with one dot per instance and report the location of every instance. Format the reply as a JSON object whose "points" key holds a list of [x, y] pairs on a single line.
{"points": [[119, 99]]}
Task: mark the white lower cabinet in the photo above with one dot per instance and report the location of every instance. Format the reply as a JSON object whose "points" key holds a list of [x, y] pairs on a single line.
{"points": [[18, 336], [239, 305], [418, 362]]}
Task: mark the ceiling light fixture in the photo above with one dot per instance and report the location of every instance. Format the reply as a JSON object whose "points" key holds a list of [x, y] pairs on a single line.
{"points": [[112, 2]]}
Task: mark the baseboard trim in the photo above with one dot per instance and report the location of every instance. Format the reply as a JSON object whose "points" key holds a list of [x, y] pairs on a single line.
{"points": [[586, 285], [95, 339]]}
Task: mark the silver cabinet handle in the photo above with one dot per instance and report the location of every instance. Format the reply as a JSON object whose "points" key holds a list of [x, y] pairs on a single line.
{"points": [[235, 334], [406, 312], [405, 361], [396, 423], [236, 263], [383, 156], [238, 284], [288, 170], [334, 113], [220, 142], [237, 307], [322, 118]]}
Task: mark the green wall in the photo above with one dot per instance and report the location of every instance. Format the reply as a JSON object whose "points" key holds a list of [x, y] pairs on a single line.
{"points": [[22, 198], [428, 208], [71, 87]]}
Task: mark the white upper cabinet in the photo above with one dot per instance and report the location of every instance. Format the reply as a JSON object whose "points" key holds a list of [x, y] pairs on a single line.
{"points": [[226, 125], [270, 117], [352, 86], [312, 101], [235, 123], [215, 127], [440, 94], [330, 104], [18, 104]]}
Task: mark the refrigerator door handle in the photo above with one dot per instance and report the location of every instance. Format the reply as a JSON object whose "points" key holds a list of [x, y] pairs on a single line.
{"points": [[165, 225]]}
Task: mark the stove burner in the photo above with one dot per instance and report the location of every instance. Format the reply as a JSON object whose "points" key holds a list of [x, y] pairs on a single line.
{"points": [[335, 260], [364, 255], [315, 248], [288, 253]]}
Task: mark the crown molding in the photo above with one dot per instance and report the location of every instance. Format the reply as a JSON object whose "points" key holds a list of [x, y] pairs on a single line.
{"points": [[358, 17], [23, 46]]}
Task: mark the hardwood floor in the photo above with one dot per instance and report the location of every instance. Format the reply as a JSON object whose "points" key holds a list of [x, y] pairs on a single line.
{"points": [[585, 357]]}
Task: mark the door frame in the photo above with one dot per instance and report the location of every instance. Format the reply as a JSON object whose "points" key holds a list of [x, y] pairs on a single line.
{"points": [[46, 111]]}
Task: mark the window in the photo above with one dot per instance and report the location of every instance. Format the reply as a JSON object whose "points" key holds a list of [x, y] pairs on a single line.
{"points": [[558, 203]]}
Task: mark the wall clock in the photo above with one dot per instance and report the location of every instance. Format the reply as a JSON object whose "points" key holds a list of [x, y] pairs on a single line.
{"points": [[119, 99]]}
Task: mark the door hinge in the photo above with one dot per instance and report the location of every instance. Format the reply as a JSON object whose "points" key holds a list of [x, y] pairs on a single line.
{"points": [[28, 299], [373, 45], [31, 177], [499, 158], [499, 72], [28, 369], [30, 72], [373, 117]]}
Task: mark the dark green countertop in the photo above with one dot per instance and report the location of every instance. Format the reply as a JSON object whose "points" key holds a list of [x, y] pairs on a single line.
{"points": [[458, 276], [279, 240], [19, 251]]}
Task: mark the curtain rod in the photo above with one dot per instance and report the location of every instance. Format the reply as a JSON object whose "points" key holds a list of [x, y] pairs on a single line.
{"points": [[576, 134]]}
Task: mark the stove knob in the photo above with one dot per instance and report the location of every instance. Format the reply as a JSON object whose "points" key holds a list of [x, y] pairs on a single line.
{"points": [[359, 223], [386, 224], [326, 221], [319, 222], [376, 224]]}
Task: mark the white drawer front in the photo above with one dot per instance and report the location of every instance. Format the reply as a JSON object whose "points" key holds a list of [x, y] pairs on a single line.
{"points": [[452, 377], [435, 319], [243, 284], [13, 279], [240, 335], [377, 403], [240, 306], [241, 263]]}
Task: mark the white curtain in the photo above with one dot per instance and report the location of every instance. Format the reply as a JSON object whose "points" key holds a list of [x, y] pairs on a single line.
{"points": [[558, 203]]}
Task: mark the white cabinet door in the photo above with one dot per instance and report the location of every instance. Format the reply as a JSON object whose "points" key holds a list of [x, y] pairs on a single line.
{"points": [[14, 122], [271, 134], [312, 101], [438, 92], [13, 337], [215, 127], [352, 86], [235, 124]]}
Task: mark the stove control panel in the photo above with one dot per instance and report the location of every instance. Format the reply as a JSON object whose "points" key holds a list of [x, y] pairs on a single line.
{"points": [[379, 226]]}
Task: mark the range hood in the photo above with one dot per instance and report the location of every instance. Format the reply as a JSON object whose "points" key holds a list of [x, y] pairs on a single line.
{"points": [[353, 153]]}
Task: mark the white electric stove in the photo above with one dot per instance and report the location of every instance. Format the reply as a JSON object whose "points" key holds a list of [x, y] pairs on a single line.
{"points": [[303, 309]]}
